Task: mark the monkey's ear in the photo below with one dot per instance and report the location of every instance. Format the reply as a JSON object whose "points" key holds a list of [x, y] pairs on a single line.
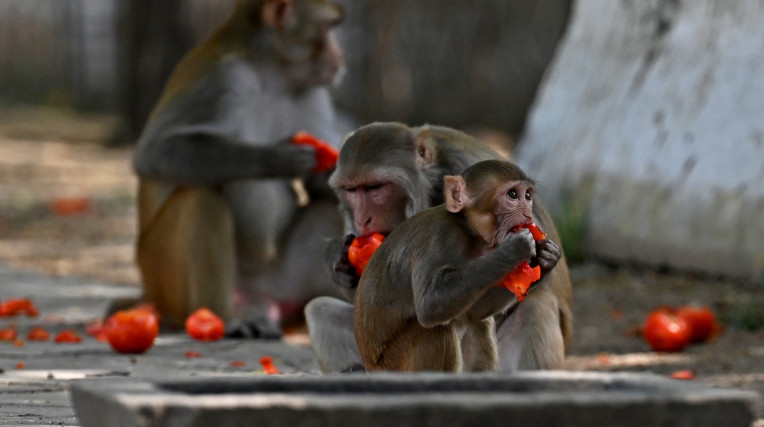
{"points": [[277, 13], [424, 147], [455, 193]]}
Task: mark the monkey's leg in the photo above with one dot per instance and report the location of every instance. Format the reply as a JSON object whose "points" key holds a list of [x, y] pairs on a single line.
{"points": [[263, 211], [531, 338], [187, 255], [423, 349], [330, 325], [479, 346], [277, 292]]}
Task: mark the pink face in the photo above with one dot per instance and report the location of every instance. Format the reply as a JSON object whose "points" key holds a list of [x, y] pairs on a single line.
{"points": [[375, 206], [514, 207]]}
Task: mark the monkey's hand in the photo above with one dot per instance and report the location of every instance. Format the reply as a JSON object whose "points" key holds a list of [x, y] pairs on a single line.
{"points": [[547, 254], [299, 160], [518, 247], [342, 272]]}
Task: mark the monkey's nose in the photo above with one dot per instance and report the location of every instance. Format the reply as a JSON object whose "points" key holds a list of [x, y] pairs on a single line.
{"points": [[364, 225]]}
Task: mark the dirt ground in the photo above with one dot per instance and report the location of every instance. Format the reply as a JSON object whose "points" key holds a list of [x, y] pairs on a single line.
{"points": [[38, 165]]}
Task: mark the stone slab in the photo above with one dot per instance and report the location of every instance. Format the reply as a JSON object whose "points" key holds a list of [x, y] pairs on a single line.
{"points": [[425, 399]]}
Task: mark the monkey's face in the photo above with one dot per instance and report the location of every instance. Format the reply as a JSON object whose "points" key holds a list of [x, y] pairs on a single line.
{"points": [[376, 205], [513, 207], [313, 55]]}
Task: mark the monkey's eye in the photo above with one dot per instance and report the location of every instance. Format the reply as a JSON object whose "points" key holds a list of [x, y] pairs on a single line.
{"points": [[372, 187], [512, 194], [528, 195]]}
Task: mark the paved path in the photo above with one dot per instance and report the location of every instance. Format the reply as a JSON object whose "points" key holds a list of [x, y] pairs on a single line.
{"points": [[38, 393]]}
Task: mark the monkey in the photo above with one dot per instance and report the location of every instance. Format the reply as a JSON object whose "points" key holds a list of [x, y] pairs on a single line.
{"points": [[427, 298], [385, 173], [220, 223], [330, 320]]}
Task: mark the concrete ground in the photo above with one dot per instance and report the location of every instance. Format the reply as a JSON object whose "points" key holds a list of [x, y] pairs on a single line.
{"points": [[37, 394]]}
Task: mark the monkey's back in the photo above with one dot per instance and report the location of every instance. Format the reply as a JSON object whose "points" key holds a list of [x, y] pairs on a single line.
{"points": [[384, 311]]}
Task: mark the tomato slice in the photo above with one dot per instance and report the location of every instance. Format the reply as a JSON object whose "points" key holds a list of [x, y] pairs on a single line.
{"points": [[17, 306], [38, 333], [268, 366], [8, 334], [326, 155], [362, 249], [536, 231], [67, 336], [519, 280]]}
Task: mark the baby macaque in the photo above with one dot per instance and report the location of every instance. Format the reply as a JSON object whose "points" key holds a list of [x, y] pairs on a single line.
{"points": [[427, 298]]}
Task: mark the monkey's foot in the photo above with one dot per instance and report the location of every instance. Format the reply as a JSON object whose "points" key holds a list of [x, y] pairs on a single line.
{"points": [[254, 328], [356, 367]]}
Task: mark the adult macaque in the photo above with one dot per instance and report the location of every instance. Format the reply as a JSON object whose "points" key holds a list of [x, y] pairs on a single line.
{"points": [[218, 214], [428, 296], [386, 172]]}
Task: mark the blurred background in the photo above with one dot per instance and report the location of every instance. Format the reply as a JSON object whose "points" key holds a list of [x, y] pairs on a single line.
{"points": [[464, 65], [642, 121]]}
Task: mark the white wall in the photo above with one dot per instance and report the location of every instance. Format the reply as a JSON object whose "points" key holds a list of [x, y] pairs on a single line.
{"points": [[652, 116]]}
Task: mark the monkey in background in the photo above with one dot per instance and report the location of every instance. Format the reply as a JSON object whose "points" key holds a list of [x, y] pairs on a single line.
{"points": [[386, 173], [219, 220], [428, 296]]}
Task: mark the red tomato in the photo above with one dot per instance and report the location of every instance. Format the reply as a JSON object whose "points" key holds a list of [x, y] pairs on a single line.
{"points": [[67, 206], [131, 331], [8, 334], [326, 155], [20, 365], [192, 354], [362, 249], [519, 280], [37, 333], [204, 325], [665, 331], [684, 374], [238, 363], [535, 230], [67, 336], [268, 366], [17, 306], [701, 320]]}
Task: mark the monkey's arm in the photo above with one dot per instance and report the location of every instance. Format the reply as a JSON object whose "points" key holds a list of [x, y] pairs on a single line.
{"points": [[207, 159], [495, 300], [336, 260], [446, 291]]}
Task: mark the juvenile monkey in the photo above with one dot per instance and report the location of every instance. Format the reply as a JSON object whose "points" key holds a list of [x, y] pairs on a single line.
{"points": [[218, 215], [386, 172], [428, 296]]}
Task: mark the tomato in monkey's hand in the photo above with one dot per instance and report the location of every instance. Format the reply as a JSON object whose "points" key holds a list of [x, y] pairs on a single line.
{"points": [[204, 325], [326, 155], [362, 248], [519, 280], [665, 331], [536, 231], [131, 331]]}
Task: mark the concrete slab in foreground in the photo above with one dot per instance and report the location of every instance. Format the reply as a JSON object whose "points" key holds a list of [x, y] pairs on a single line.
{"points": [[388, 399]]}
